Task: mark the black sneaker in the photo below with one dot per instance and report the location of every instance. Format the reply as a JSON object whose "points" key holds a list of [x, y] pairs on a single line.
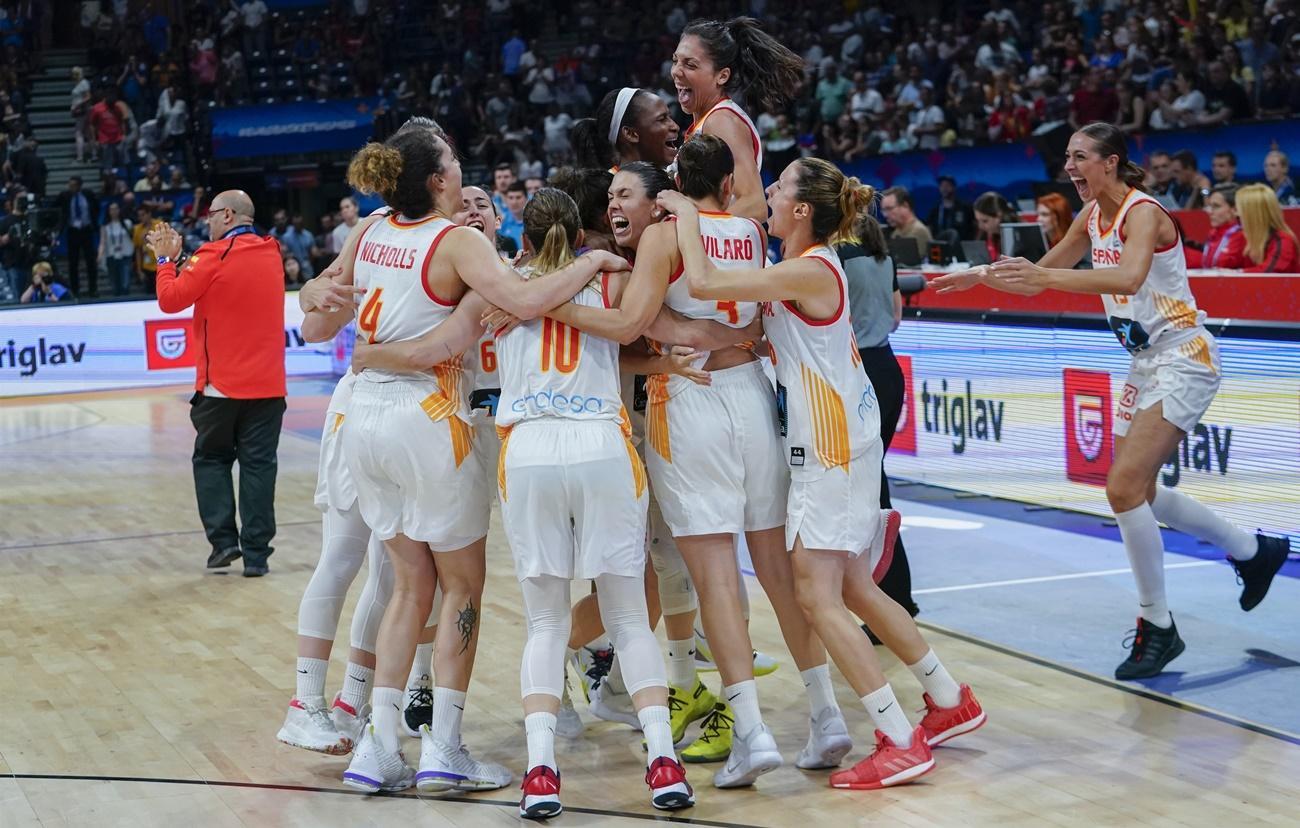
{"points": [[1153, 648], [255, 570], [419, 707], [223, 557], [601, 663], [1256, 574]]}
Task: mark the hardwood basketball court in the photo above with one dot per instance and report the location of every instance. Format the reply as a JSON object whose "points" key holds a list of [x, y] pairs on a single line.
{"points": [[139, 689]]}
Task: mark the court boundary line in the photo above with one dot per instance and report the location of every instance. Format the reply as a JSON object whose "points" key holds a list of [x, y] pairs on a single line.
{"points": [[1044, 579], [146, 536], [270, 786], [1139, 691]]}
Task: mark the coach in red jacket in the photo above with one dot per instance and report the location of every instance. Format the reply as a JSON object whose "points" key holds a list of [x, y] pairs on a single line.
{"points": [[235, 283]]}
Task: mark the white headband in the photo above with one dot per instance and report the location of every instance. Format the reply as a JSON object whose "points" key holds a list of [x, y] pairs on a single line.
{"points": [[625, 96]]}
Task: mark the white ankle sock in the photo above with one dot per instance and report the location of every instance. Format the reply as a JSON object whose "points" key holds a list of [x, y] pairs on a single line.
{"points": [[1146, 556], [421, 665], [387, 716], [743, 698], [311, 681], [936, 681], [540, 728], [448, 709], [821, 694], [658, 732], [681, 663], [888, 716], [1187, 514], [356, 686]]}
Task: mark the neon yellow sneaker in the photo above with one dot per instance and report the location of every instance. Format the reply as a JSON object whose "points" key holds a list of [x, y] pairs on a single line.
{"points": [[686, 706], [764, 664], [714, 742]]}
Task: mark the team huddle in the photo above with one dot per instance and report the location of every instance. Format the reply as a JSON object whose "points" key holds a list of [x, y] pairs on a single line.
{"points": [[642, 388]]}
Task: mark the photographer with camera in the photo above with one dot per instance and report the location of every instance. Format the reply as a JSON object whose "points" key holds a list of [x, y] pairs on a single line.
{"points": [[43, 287]]}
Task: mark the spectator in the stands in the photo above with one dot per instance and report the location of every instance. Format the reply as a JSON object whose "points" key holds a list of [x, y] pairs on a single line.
{"points": [[253, 14], [1257, 51], [951, 213], [79, 215], [323, 239], [1189, 184], [1225, 100], [1187, 109], [866, 104], [1224, 167], [1093, 102], [116, 249], [502, 177], [1132, 109], [1226, 245], [28, 167], [146, 261], [152, 169], [1278, 93], [108, 119], [173, 115], [349, 215], [512, 218], [1271, 245], [44, 287], [1277, 169], [157, 199], [13, 255], [1010, 121], [176, 180], [927, 121], [899, 211], [80, 108], [1160, 179], [532, 184], [832, 94], [511, 51], [293, 276], [991, 212], [295, 239], [1054, 216]]}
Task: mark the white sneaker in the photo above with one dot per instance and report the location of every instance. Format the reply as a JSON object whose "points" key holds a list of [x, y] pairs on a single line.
{"points": [[568, 723], [605, 703], [750, 758], [309, 727], [443, 768], [374, 769], [347, 720], [828, 741]]}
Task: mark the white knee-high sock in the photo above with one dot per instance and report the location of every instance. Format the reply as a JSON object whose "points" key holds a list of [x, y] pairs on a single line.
{"points": [[1146, 555], [1187, 514], [540, 728], [821, 694], [942, 690], [888, 716], [387, 716], [311, 681]]}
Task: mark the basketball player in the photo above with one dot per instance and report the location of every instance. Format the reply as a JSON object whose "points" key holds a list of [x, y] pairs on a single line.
{"points": [[630, 124], [831, 424], [1139, 270], [409, 444], [715, 459], [716, 62]]}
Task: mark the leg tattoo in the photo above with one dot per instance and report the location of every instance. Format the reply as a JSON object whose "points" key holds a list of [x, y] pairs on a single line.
{"points": [[466, 620]]}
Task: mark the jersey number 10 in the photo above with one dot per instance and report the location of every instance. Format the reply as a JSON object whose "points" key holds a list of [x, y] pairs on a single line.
{"points": [[560, 346]]}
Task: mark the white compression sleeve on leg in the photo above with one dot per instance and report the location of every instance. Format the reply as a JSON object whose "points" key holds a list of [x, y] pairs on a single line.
{"points": [[622, 608], [343, 548], [1187, 514], [546, 607], [374, 597], [1146, 555]]}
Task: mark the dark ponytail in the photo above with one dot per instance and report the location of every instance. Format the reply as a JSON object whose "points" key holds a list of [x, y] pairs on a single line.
{"points": [[764, 74], [1108, 140], [652, 178]]}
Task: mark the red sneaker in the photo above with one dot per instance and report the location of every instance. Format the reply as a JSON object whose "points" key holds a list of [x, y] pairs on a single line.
{"points": [[889, 765], [541, 793], [942, 723], [669, 790]]}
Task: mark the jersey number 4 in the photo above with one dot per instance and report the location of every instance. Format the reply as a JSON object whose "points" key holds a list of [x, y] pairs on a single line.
{"points": [[368, 321], [729, 308], [560, 346]]}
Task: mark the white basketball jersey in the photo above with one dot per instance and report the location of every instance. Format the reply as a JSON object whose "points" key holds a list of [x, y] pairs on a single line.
{"points": [[1164, 303], [731, 242], [548, 369], [731, 106], [828, 409], [480, 364]]}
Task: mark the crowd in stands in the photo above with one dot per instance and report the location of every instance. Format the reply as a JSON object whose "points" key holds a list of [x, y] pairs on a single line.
{"points": [[508, 78]]}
